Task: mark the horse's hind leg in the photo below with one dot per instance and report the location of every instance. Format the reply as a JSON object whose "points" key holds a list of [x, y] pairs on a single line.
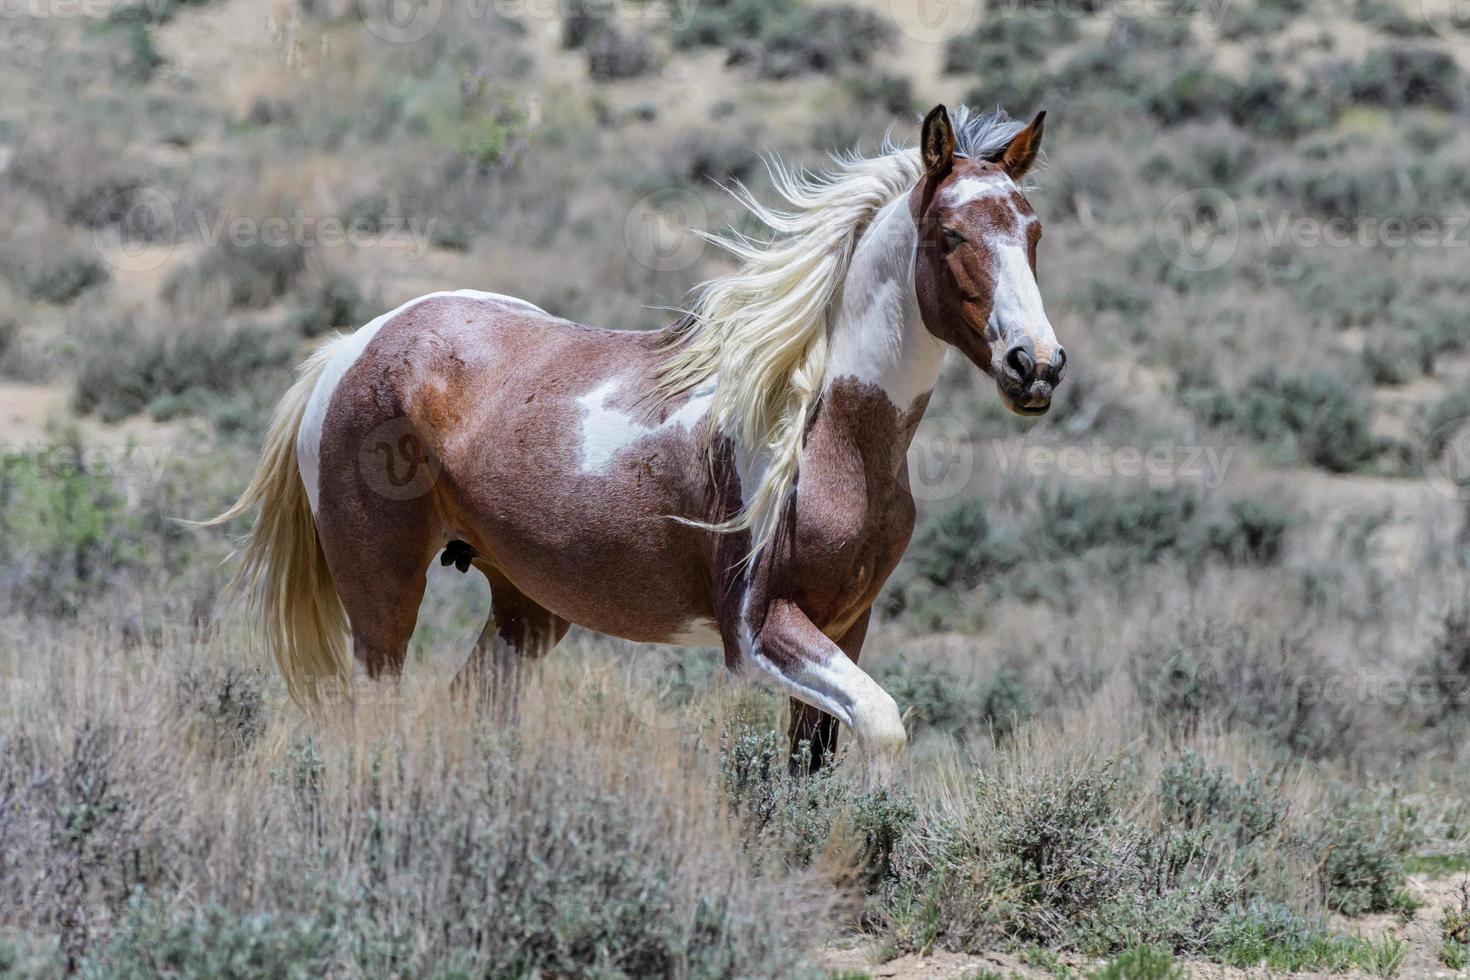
{"points": [[518, 630], [379, 550]]}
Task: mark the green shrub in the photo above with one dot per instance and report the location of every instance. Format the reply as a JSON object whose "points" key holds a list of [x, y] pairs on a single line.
{"points": [[1454, 930], [1391, 18], [250, 274], [890, 93], [1048, 858], [791, 819], [1141, 963], [1270, 104], [1008, 52], [1408, 76], [61, 278], [65, 530], [1264, 684], [122, 374], [1362, 851], [786, 38], [1195, 93], [613, 54], [1148, 523], [1259, 19], [1315, 416], [1280, 939], [333, 302], [1199, 796], [934, 697], [156, 939], [1441, 681], [1252, 532]]}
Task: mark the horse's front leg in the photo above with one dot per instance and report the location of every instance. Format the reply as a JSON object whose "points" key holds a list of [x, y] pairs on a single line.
{"points": [[813, 728], [790, 652]]}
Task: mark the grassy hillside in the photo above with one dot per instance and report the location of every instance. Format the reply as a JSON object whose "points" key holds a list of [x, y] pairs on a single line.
{"points": [[1185, 664]]}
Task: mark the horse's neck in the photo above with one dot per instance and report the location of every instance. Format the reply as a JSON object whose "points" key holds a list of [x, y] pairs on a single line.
{"points": [[877, 334]]}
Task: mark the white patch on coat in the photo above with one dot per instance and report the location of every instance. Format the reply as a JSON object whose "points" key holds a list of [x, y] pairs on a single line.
{"points": [[877, 335], [607, 432], [969, 189], [345, 352]]}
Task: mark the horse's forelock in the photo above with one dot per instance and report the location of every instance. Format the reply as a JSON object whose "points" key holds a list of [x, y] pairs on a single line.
{"points": [[983, 135]]}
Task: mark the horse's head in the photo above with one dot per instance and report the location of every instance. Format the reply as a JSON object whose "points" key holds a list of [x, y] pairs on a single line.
{"points": [[975, 271]]}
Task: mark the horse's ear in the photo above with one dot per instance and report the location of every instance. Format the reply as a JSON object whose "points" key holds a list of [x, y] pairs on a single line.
{"points": [[937, 141], [1021, 152]]}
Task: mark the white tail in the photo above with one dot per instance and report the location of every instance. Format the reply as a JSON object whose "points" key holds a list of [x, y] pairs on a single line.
{"points": [[283, 576]]}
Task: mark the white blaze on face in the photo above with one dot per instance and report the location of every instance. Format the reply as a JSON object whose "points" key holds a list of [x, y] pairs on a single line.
{"points": [[607, 432], [1017, 313]]}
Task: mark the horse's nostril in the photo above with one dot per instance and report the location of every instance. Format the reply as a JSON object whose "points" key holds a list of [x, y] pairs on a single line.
{"points": [[1020, 362]]}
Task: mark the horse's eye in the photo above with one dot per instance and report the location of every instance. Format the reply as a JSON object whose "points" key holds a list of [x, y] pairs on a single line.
{"points": [[952, 239]]}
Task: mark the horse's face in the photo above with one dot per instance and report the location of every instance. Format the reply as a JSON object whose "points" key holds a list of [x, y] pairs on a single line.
{"points": [[975, 270]]}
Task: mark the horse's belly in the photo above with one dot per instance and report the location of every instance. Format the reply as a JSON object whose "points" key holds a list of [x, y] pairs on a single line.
{"points": [[635, 590], [600, 549]]}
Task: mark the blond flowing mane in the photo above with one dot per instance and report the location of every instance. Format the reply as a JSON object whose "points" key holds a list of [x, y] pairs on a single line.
{"points": [[763, 331]]}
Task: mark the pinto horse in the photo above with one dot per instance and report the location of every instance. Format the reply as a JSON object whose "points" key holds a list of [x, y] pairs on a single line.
{"points": [[736, 480]]}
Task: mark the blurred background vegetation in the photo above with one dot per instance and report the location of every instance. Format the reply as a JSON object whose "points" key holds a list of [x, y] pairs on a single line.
{"points": [[1213, 707]]}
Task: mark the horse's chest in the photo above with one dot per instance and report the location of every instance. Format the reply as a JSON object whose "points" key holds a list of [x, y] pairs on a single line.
{"points": [[846, 549]]}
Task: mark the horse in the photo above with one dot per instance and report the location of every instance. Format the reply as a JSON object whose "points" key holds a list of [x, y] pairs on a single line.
{"points": [[736, 480]]}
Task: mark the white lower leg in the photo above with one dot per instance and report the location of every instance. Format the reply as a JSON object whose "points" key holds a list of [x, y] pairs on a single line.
{"points": [[844, 690]]}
